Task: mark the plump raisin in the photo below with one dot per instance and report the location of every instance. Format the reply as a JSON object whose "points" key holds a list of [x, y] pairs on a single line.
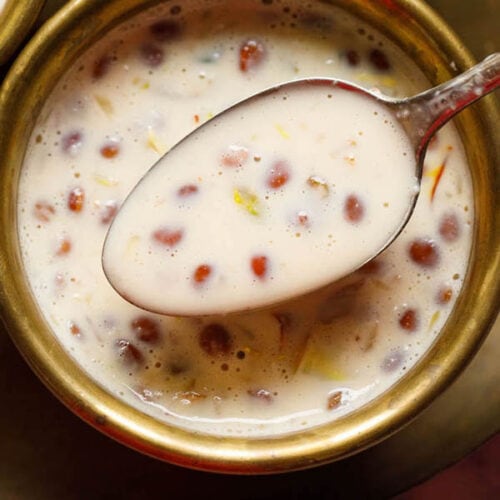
{"points": [[128, 352], [215, 340], [334, 400], [424, 252], [74, 329], [449, 227], [379, 60], [72, 142], [145, 329], [259, 265], [278, 175], [108, 211], [64, 247], [444, 295], [165, 30], [152, 55], [76, 199], [43, 211], [110, 150], [252, 53], [235, 156], [187, 190], [409, 320], [101, 66], [352, 57], [202, 273], [354, 209], [168, 237]]}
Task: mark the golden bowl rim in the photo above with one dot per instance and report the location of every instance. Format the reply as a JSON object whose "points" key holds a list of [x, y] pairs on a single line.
{"points": [[313, 446]]}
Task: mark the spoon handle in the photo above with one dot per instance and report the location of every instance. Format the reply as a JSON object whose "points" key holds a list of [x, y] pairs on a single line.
{"points": [[423, 114]]}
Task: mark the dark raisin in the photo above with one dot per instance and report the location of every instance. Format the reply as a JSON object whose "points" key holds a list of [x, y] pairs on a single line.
{"points": [[215, 340], [145, 329]]}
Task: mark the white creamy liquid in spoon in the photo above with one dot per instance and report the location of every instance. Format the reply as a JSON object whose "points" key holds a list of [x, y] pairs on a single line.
{"points": [[279, 196]]}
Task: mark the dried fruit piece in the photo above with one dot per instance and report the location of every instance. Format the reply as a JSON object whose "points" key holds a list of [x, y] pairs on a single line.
{"points": [[215, 340], [168, 237], [152, 55], [108, 211], [101, 66], [354, 209], [444, 295], [259, 265], [129, 353], [76, 199], [352, 56], [165, 30], [248, 200], [424, 252], [74, 329], [110, 150], [449, 227], [43, 211], [409, 320], [235, 156], [334, 400], [145, 329], [252, 53], [278, 175], [319, 184], [187, 190], [202, 273], [64, 247], [379, 60], [302, 219], [72, 143]]}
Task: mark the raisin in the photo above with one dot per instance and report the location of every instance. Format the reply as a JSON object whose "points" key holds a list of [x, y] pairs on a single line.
{"points": [[302, 219], [74, 329], [64, 247], [152, 55], [101, 66], [424, 252], [354, 209], [129, 353], [252, 53], [43, 211], [110, 150], [165, 30], [259, 266], [236, 156], [379, 60], [352, 57], [187, 190], [76, 199], [145, 329], [449, 227], [409, 320], [108, 211], [72, 143], [215, 340], [202, 273], [334, 400], [279, 174], [444, 295], [168, 237]]}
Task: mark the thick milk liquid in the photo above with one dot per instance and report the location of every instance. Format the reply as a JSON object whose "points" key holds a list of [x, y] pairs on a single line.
{"points": [[279, 196], [303, 363]]}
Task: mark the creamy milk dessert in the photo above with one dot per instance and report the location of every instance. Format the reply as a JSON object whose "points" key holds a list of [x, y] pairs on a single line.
{"points": [[297, 216], [302, 363]]}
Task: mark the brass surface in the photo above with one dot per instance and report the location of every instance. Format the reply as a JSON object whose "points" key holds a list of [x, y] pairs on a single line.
{"points": [[16, 20], [59, 43]]}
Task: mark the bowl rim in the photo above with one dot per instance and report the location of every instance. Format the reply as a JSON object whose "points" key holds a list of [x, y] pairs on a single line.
{"points": [[345, 436]]}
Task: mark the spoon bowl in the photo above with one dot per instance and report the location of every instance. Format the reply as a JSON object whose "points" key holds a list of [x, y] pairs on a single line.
{"points": [[281, 194]]}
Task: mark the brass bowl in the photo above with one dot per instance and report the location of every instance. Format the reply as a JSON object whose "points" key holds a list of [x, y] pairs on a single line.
{"points": [[16, 19], [431, 44]]}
